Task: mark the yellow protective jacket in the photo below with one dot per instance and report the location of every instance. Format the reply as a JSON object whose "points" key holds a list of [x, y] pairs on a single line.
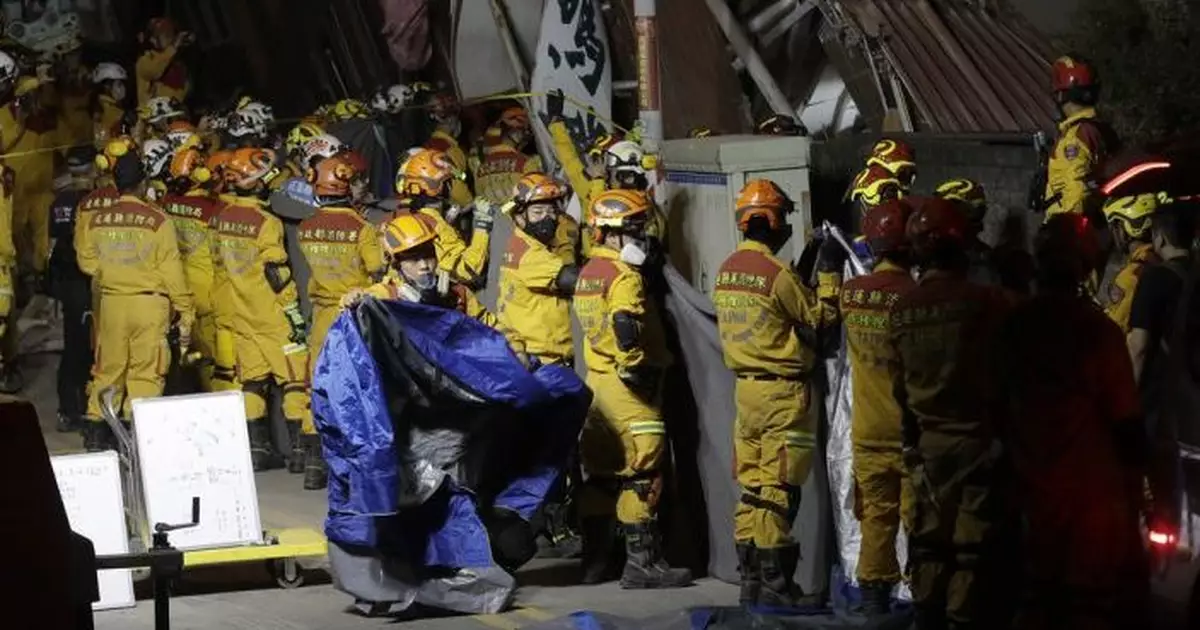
{"points": [[103, 197], [606, 286], [133, 250], [459, 297], [27, 143], [762, 307], [441, 141], [343, 251], [586, 188], [501, 168], [160, 73], [106, 121], [8, 250], [530, 302], [192, 214], [865, 302], [1083, 143], [1118, 297], [74, 118], [247, 240]]}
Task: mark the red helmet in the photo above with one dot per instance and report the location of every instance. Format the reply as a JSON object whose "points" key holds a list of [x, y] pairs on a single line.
{"points": [[1070, 72], [357, 162], [893, 155], [885, 226], [936, 223]]}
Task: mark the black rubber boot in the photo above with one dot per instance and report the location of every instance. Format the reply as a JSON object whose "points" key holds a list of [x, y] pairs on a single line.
{"points": [[876, 598], [316, 475], [97, 436], [295, 460], [67, 424], [779, 590], [262, 454], [751, 575], [644, 564], [599, 550]]}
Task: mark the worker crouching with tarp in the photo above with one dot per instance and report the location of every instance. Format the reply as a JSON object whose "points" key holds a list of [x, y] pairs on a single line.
{"points": [[441, 447]]}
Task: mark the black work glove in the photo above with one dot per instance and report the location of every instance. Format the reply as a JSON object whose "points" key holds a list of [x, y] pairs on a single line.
{"points": [[831, 256], [642, 380], [555, 103]]}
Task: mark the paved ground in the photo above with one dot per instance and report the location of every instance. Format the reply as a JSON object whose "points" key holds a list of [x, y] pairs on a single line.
{"points": [[246, 596]]}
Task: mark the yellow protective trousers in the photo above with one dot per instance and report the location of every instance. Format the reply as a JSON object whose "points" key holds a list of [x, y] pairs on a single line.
{"points": [[224, 373], [263, 359], [7, 296], [204, 341], [883, 500], [131, 349], [31, 225], [952, 527], [622, 444], [323, 316], [773, 450]]}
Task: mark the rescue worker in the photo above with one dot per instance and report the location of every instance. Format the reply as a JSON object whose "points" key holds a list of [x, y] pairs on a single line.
{"points": [[159, 70], [444, 112], [10, 381], [293, 145], [587, 180], [1129, 220], [761, 305], [780, 125], [535, 284], [506, 162], [1077, 442], [970, 198], [940, 331], [268, 328], [72, 288], [1084, 141], [30, 132], [416, 275], [108, 110], [883, 498], [156, 160], [344, 253], [624, 438], [133, 257], [424, 183], [74, 101], [193, 209]]}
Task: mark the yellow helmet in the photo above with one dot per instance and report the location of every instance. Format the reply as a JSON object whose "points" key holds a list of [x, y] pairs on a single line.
{"points": [[113, 150], [619, 209], [301, 134], [349, 109], [405, 232], [1133, 214], [26, 85], [426, 173]]}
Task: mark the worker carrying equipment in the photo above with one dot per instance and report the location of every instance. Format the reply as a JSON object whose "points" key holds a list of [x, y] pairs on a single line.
{"points": [[624, 438], [761, 305], [423, 183], [132, 256], [940, 331], [268, 328], [344, 253], [1084, 141], [535, 284], [1129, 221], [883, 497]]}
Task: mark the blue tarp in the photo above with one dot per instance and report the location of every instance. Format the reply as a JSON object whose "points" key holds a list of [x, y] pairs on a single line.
{"points": [[392, 381]]}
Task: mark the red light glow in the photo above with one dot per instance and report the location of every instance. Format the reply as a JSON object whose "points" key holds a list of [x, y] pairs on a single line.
{"points": [[1132, 172]]}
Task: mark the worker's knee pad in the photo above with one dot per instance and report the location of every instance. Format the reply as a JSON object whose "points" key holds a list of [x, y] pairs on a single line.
{"points": [[647, 487], [257, 394]]}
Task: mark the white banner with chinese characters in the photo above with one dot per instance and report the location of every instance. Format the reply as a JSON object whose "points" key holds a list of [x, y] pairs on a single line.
{"points": [[573, 56]]}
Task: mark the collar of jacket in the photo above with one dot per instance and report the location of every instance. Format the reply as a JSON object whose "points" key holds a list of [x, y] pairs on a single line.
{"points": [[755, 246], [886, 266], [131, 199], [604, 251], [1143, 253], [1087, 113]]}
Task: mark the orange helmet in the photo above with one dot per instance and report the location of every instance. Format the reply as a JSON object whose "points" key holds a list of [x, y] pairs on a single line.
{"points": [[936, 223], [331, 177], [189, 163], [405, 232], [885, 226], [620, 209], [249, 168], [537, 188], [514, 118], [357, 162], [762, 198], [1070, 72], [426, 174]]}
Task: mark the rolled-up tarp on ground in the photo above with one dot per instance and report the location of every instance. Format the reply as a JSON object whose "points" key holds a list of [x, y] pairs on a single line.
{"points": [[441, 448], [718, 618]]}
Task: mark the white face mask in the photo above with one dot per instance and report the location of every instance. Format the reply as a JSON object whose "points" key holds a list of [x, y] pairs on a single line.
{"points": [[118, 91], [633, 253]]}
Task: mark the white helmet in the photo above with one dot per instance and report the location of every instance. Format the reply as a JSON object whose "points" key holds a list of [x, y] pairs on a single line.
{"points": [[249, 122], [8, 68], [258, 111], [183, 139], [399, 96], [109, 71], [626, 155], [322, 147], [161, 108], [156, 155]]}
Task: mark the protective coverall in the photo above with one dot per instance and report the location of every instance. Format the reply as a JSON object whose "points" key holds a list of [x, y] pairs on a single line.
{"points": [[761, 304], [499, 171], [343, 251], [1072, 436], [1083, 143], [441, 141], [102, 198], [940, 332], [883, 499], [252, 277], [1118, 295], [161, 73], [133, 257], [72, 288], [624, 437], [107, 121], [532, 300], [74, 118], [28, 142], [192, 214], [8, 263]]}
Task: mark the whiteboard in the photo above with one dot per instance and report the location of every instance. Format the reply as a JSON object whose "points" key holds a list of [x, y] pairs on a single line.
{"points": [[196, 446], [90, 486]]}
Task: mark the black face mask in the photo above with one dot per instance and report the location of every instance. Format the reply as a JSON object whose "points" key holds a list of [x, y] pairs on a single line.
{"points": [[542, 230]]}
